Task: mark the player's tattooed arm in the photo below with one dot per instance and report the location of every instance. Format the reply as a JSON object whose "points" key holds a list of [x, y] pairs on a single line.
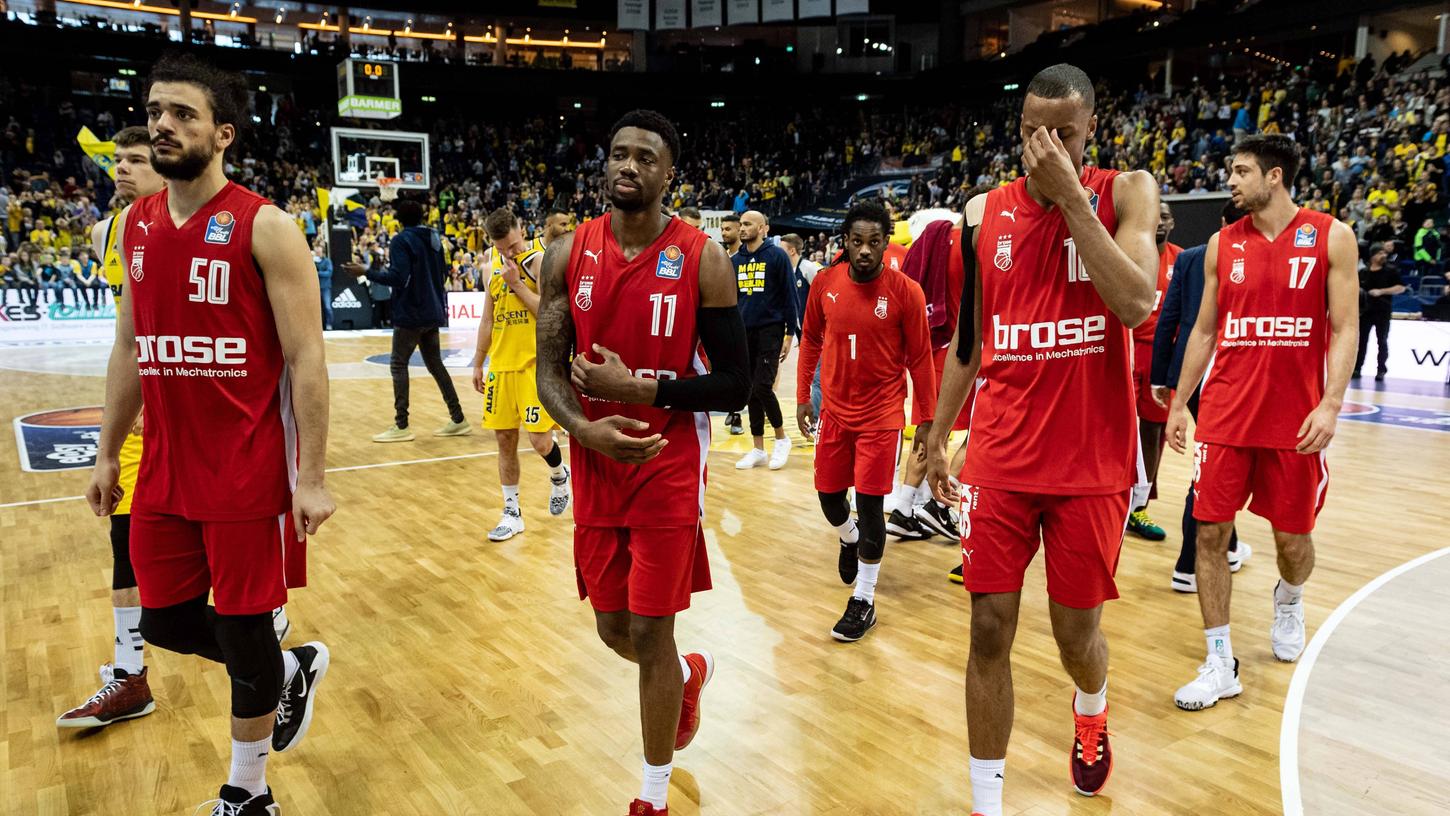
{"points": [[556, 341]]}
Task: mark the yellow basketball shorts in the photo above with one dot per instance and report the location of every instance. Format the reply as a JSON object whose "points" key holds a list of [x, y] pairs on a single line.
{"points": [[511, 399]]}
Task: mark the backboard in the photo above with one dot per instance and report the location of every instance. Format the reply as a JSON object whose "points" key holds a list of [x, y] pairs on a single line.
{"points": [[360, 156]]}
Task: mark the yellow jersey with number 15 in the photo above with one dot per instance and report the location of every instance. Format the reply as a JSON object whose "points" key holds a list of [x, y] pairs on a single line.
{"points": [[513, 347], [130, 458]]}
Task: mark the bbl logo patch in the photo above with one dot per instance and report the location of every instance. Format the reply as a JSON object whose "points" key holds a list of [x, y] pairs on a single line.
{"points": [[584, 297], [219, 228], [1003, 259], [136, 271], [1092, 199], [1306, 236], [881, 307], [671, 263], [1237, 275]]}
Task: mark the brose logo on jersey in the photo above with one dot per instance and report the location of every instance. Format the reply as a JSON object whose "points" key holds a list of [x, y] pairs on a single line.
{"points": [[1072, 331], [1245, 328], [194, 349]]}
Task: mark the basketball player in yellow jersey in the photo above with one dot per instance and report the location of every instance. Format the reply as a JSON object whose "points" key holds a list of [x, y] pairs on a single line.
{"points": [[510, 396], [126, 692]]}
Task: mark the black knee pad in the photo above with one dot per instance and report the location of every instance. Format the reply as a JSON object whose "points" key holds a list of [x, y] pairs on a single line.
{"points": [[870, 515], [254, 662], [122, 575], [185, 628], [836, 507]]}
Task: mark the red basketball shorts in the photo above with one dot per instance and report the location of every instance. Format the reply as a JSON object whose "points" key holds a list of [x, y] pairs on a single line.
{"points": [[1082, 536], [964, 418], [865, 460], [1287, 487], [648, 570], [247, 565], [1148, 410]]}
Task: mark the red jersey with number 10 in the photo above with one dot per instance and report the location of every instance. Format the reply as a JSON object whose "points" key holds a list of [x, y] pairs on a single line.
{"points": [[220, 439], [1055, 405], [644, 311], [1268, 367]]}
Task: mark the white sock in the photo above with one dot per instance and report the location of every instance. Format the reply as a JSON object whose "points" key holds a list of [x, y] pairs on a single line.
{"points": [[848, 531], [923, 494], [557, 473], [987, 785], [249, 765], [128, 639], [1091, 705], [289, 666], [511, 497], [902, 498], [1287, 593], [866, 580], [1219, 644], [684, 670], [656, 786]]}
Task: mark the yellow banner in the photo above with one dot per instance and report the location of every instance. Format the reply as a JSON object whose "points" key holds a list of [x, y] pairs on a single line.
{"points": [[102, 153]]}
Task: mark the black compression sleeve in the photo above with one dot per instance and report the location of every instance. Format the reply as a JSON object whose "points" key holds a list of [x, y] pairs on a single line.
{"points": [[967, 316], [727, 386]]}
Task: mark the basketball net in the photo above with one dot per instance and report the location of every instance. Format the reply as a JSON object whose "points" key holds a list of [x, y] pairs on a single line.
{"points": [[388, 188]]}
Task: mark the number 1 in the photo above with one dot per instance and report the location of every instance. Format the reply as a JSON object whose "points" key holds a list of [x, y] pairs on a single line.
{"points": [[853, 345]]}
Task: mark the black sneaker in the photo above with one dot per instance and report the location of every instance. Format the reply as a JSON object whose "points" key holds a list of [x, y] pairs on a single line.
{"points": [[732, 420], [955, 576], [938, 518], [234, 801], [905, 527], [294, 711], [859, 618], [846, 563]]}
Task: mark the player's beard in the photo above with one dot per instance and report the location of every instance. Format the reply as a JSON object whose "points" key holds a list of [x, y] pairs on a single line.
{"points": [[188, 166], [630, 201], [1254, 203]]}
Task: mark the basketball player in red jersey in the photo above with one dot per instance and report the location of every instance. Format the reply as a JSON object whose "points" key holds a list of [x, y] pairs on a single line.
{"points": [[1151, 415], [1277, 334], [1062, 268], [625, 304], [220, 333], [866, 324]]}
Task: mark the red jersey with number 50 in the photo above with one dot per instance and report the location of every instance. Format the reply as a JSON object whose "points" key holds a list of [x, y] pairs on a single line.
{"points": [[644, 311], [220, 439], [1054, 401], [1268, 367]]}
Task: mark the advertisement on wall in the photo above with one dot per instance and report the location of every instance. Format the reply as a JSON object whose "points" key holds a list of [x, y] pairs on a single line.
{"points": [[56, 321]]}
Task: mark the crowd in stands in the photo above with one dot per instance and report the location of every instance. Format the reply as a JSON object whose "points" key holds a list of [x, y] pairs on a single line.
{"points": [[1375, 148]]}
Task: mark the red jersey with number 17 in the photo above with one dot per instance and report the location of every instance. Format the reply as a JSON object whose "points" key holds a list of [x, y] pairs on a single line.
{"points": [[1268, 367], [220, 439], [1055, 405], [642, 309]]}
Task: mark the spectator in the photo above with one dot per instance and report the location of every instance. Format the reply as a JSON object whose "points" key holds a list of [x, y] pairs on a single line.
{"points": [[1379, 282], [324, 281], [1428, 248]]}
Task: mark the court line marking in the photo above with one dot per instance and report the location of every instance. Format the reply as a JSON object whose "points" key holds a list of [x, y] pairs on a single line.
{"points": [[1294, 702]]}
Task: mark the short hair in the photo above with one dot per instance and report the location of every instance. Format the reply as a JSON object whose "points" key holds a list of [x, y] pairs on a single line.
{"points": [[730, 217], [410, 212], [868, 211], [654, 122], [499, 223], [1061, 81], [690, 212], [225, 90], [133, 136], [1270, 152], [794, 241], [553, 211], [1231, 212]]}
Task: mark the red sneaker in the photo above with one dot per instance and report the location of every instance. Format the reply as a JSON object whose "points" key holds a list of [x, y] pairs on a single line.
{"points": [[122, 697], [640, 807], [1092, 754], [702, 667]]}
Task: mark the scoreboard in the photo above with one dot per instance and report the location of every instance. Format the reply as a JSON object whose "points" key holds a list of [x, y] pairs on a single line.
{"points": [[368, 89]]}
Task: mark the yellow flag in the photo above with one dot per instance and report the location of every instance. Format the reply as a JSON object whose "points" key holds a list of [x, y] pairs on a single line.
{"points": [[102, 153]]}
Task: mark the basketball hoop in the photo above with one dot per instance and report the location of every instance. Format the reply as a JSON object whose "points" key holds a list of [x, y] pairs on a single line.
{"points": [[388, 188]]}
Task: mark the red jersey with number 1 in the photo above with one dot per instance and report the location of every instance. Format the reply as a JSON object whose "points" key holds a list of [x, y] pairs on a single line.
{"points": [[1055, 407], [644, 311], [221, 443], [867, 336], [1268, 367]]}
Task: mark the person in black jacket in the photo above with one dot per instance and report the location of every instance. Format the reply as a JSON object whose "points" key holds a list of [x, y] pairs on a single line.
{"points": [[1379, 282], [1175, 324], [764, 275], [416, 273]]}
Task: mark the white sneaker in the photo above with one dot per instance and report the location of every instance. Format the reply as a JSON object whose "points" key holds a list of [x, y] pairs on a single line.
{"points": [[779, 454], [509, 525], [1218, 679], [1237, 558], [560, 495], [755, 458], [1185, 582], [280, 625], [1287, 633]]}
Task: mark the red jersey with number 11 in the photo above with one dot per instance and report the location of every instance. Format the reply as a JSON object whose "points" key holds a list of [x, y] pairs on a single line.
{"points": [[643, 310], [1267, 371]]}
